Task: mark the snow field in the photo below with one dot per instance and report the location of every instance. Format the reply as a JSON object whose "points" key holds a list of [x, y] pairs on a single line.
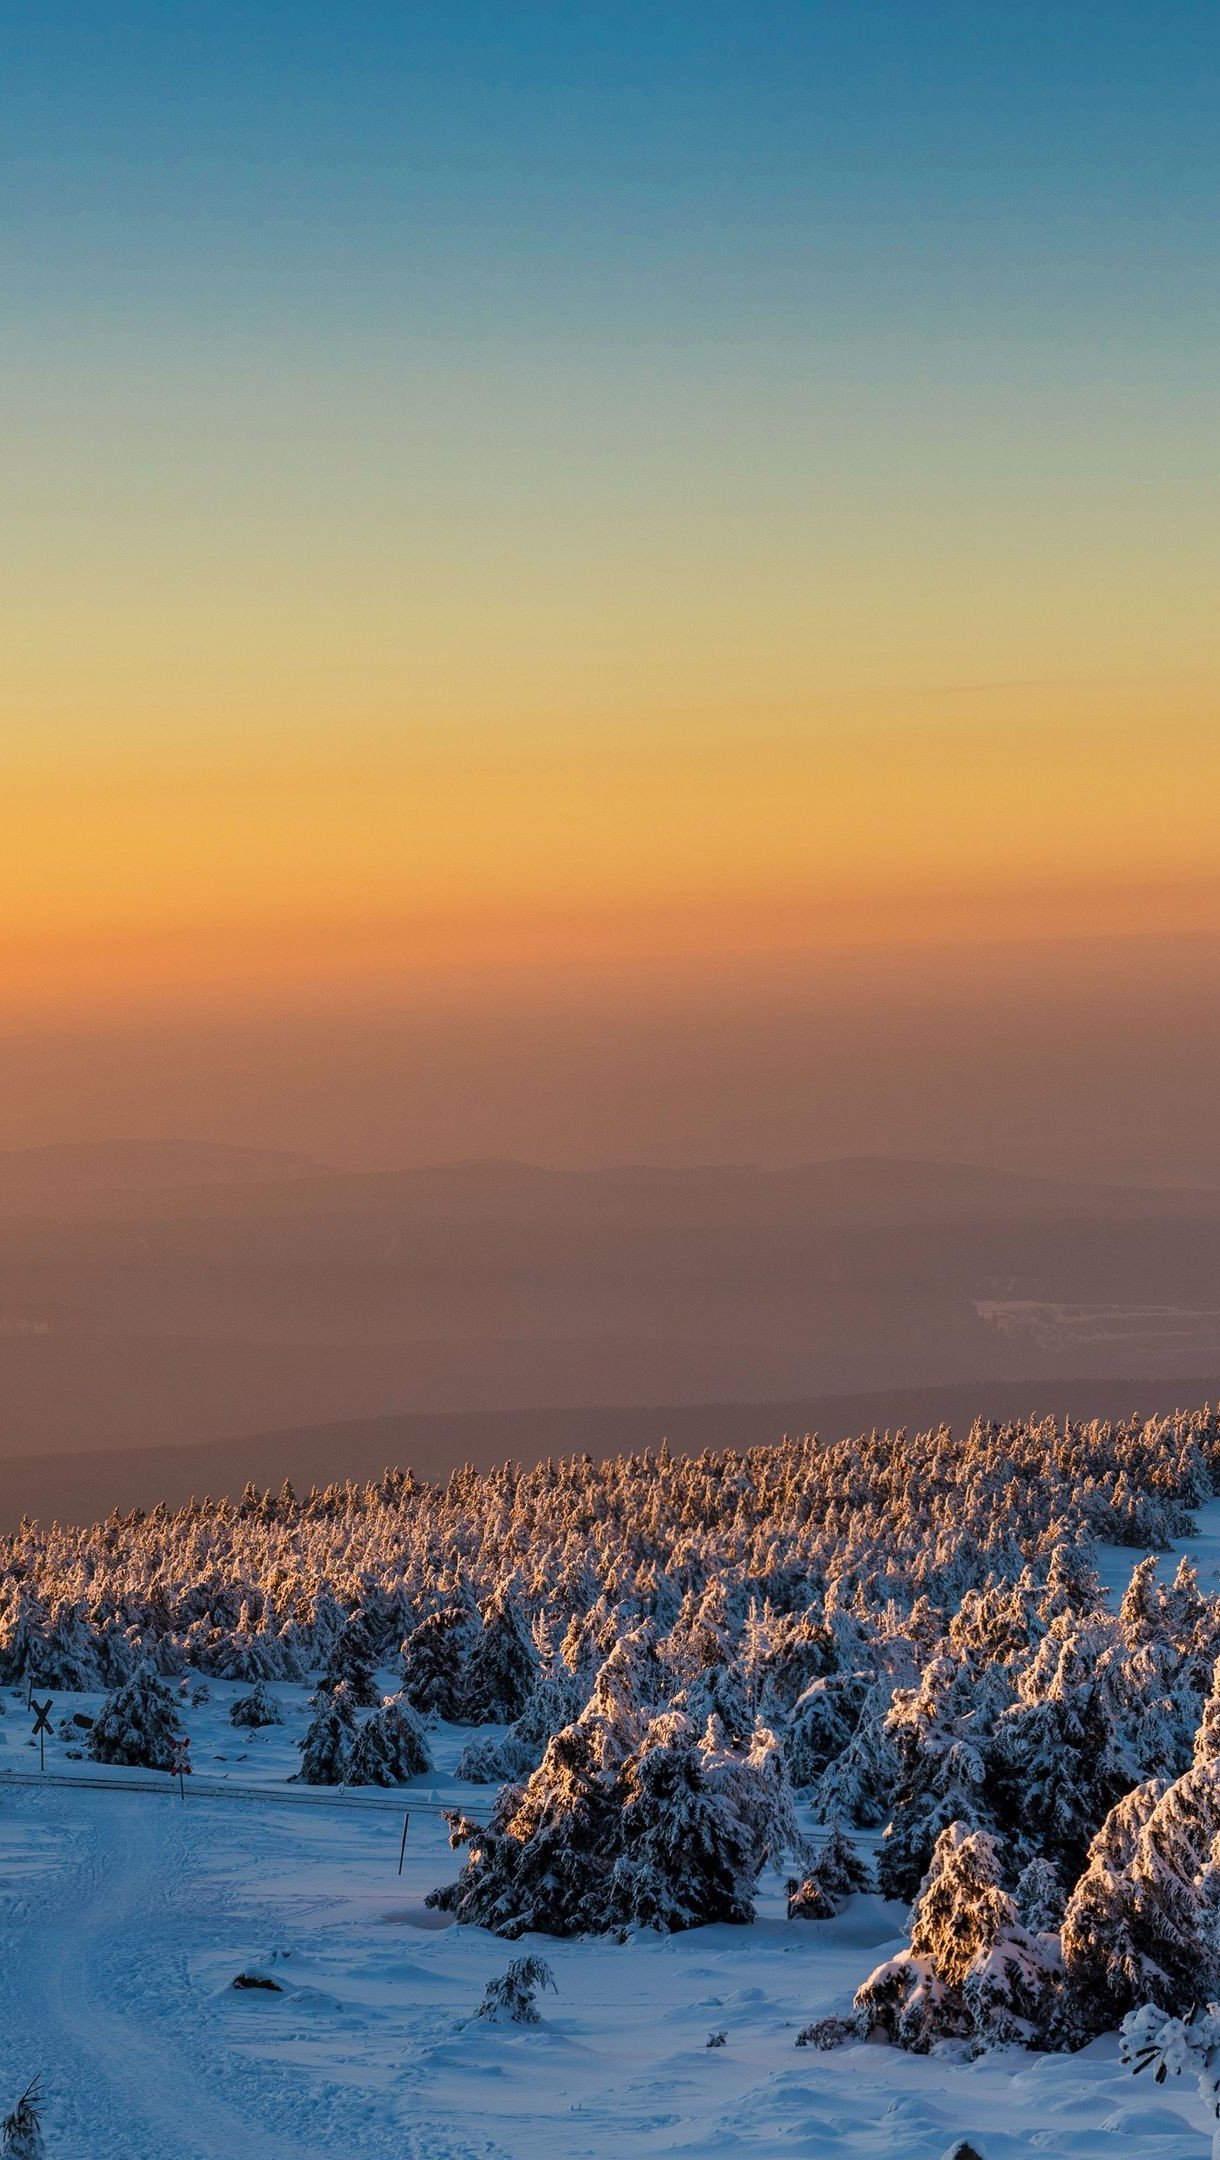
{"points": [[125, 1916]]}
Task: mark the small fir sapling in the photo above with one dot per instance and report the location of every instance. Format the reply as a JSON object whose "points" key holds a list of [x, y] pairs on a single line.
{"points": [[1168, 2046], [22, 2130], [255, 1709], [512, 1999], [138, 1725], [828, 2033], [326, 1748], [389, 1747], [717, 2039], [837, 1873]]}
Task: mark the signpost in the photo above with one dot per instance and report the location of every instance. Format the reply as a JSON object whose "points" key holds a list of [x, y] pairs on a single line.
{"points": [[42, 1726], [180, 1762]]}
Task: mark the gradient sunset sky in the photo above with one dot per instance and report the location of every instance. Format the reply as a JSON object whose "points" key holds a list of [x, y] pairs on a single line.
{"points": [[584, 581]]}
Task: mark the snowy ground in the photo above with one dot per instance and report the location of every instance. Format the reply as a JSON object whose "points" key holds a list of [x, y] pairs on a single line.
{"points": [[125, 1915], [1115, 1562]]}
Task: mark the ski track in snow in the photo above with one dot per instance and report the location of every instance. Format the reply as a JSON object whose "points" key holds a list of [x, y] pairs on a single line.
{"points": [[97, 1994]]}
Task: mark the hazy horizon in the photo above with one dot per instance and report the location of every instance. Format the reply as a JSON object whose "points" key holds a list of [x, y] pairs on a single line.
{"points": [[1091, 1057], [162, 1298]]}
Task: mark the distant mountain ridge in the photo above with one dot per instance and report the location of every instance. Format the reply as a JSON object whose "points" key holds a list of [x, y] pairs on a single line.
{"points": [[85, 1487], [197, 1176], [175, 1293]]}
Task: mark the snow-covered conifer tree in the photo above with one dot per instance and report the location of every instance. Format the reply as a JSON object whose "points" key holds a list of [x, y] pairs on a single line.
{"points": [[1207, 1738], [502, 1668], [138, 1724], [255, 1709], [1143, 1922], [327, 1746], [1040, 1898], [434, 1658], [350, 1663], [627, 1822], [838, 1872], [542, 1861], [860, 1784], [389, 1747], [698, 1820], [972, 1971], [942, 1774], [512, 1999], [823, 1721]]}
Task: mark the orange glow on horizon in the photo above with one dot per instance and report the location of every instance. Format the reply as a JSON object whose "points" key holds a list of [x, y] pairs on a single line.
{"points": [[229, 877]]}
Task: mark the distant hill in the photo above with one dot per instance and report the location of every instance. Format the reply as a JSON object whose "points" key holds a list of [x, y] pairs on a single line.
{"points": [[84, 1487], [173, 1294]]}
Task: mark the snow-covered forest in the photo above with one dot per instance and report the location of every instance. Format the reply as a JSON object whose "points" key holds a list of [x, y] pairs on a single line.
{"points": [[883, 1672], [907, 1630]]}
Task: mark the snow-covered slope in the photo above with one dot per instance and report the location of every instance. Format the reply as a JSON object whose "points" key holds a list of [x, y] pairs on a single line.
{"points": [[125, 1916]]}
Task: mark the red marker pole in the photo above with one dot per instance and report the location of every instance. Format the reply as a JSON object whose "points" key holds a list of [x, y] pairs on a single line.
{"points": [[180, 1764]]}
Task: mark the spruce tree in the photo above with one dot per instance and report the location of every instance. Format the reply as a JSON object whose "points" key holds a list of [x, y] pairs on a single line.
{"points": [[836, 1874], [512, 1999], [942, 1776], [137, 1725], [691, 1846], [1040, 1897], [502, 1668], [822, 1723], [255, 1709], [628, 1822], [350, 1663], [972, 1971], [327, 1746], [434, 1658], [389, 1747]]}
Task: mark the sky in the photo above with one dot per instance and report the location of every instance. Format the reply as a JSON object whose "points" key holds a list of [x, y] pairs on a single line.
{"points": [[586, 582]]}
